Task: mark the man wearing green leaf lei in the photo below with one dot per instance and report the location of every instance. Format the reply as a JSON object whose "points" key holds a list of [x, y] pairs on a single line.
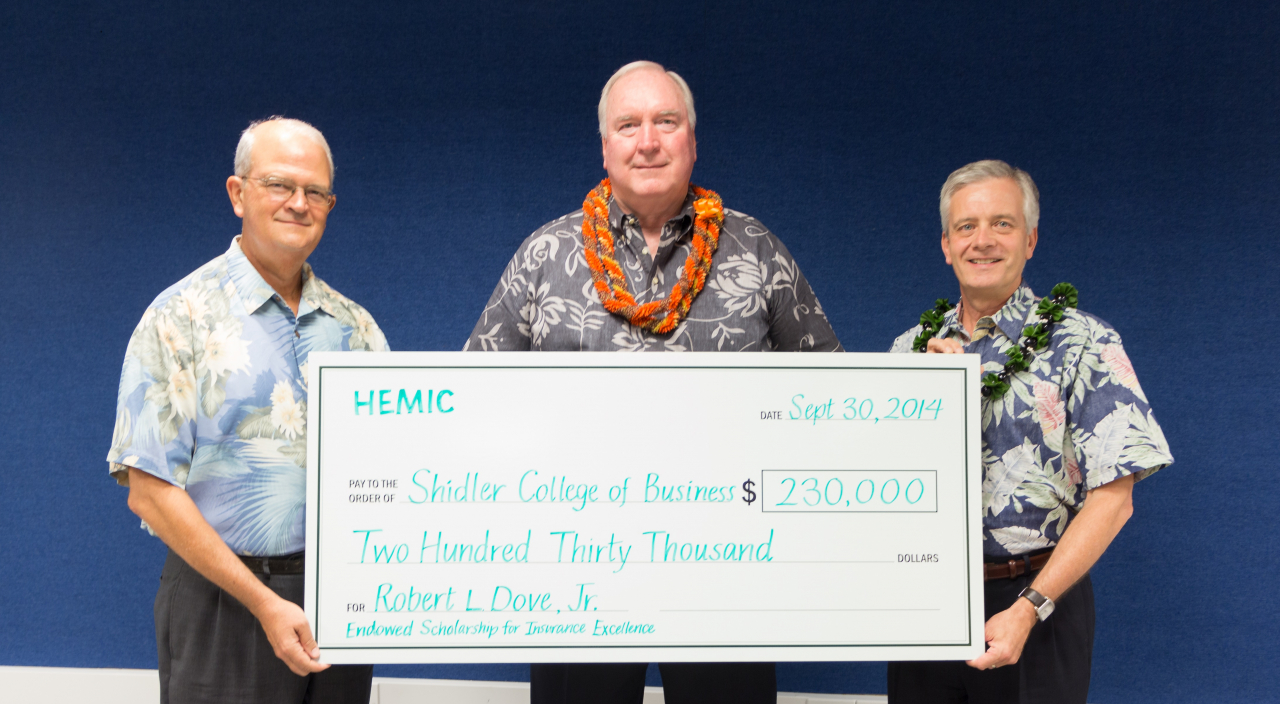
{"points": [[1066, 432]]}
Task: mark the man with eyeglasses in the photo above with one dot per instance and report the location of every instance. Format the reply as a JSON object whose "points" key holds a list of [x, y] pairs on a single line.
{"points": [[211, 435]]}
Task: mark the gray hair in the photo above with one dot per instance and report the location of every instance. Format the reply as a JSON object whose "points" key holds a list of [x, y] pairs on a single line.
{"points": [[244, 150], [985, 170], [636, 66]]}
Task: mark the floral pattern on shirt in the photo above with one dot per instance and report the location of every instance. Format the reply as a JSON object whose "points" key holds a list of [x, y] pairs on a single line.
{"points": [[755, 298], [1075, 420], [213, 396]]}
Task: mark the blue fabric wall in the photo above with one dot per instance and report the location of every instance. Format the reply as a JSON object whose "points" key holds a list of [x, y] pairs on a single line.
{"points": [[460, 127]]}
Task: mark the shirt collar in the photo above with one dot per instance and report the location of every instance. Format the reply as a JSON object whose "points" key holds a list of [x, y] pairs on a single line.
{"points": [[681, 223], [951, 325], [254, 291], [316, 294], [1011, 317]]}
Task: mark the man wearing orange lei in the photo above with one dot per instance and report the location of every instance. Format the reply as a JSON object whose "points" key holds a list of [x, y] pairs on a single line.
{"points": [[652, 263]]}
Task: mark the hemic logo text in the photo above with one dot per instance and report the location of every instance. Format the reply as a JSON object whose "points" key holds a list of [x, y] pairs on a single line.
{"points": [[381, 402]]}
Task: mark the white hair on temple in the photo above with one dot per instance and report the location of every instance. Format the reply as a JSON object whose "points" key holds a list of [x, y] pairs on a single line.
{"points": [[244, 150], [636, 66], [985, 170]]}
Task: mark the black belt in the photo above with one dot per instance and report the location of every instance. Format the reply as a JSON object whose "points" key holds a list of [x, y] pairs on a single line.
{"points": [[288, 564]]}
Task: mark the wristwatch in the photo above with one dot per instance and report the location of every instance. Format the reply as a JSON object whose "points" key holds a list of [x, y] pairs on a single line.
{"points": [[1042, 603]]}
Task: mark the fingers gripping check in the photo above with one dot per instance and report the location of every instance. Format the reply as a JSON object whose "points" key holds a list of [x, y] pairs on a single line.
{"points": [[290, 635], [944, 346], [1006, 634]]}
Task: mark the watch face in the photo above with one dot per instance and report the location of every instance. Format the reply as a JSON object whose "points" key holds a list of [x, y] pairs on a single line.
{"points": [[1043, 610]]}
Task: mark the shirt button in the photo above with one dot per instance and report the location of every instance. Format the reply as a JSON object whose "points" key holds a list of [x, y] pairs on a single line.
{"points": [[645, 251], [655, 282]]}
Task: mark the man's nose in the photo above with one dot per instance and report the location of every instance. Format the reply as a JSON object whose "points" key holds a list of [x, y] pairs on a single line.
{"points": [[648, 138], [298, 201]]}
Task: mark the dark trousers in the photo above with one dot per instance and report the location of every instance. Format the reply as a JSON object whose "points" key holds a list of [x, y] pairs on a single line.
{"points": [[1053, 668], [211, 649], [682, 683]]}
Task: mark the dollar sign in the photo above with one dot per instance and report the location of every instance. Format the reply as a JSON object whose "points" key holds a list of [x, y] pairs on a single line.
{"points": [[749, 494]]}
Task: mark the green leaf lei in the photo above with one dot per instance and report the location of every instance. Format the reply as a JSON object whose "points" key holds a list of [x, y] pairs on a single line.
{"points": [[1034, 337], [931, 321]]}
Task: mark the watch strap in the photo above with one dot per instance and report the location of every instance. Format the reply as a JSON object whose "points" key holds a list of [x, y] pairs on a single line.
{"points": [[1043, 604]]}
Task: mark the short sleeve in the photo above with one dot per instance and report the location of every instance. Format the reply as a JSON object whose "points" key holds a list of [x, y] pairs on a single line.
{"points": [[158, 398], [797, 322], [365, 333], [904, 342], [502, 325], [1113, 430]]}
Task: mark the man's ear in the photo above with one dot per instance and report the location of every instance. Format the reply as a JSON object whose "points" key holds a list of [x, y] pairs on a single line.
{"points": [[1031, 241], [235, 191], [946, 251], [603, 161]]}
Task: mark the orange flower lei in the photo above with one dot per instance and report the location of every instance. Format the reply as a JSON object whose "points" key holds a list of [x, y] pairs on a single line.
{"points": [[611, 283]]}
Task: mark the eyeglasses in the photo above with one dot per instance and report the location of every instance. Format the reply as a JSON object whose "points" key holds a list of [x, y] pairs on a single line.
{"points": [[281, 189]]}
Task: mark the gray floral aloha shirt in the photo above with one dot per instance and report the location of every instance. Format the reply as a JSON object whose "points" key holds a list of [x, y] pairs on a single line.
{"points": [[1077, 419], [755, 298], [213, 396]]}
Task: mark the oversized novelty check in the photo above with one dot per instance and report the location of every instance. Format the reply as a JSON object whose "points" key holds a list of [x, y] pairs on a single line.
{"points": [[562, 507]]}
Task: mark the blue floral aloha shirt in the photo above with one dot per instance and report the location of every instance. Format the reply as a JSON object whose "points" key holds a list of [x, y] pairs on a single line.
{"points": [[1075, 420], [213, 396]]}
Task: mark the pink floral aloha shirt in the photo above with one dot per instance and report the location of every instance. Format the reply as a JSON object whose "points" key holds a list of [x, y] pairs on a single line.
{"points": [[1075, 420], [213, 396]]}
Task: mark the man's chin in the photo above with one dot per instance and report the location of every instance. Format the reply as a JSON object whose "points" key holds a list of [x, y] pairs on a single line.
{"points": [[655, 188], [987, 288], [293, 240]]}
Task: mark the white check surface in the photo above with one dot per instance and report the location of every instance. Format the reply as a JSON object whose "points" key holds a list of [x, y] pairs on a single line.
{"points": [[560, 507]]}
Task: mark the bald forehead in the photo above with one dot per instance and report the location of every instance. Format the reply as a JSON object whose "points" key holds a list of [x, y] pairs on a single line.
{"points": [[286, 136], [644, 86], [280, 140]]}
